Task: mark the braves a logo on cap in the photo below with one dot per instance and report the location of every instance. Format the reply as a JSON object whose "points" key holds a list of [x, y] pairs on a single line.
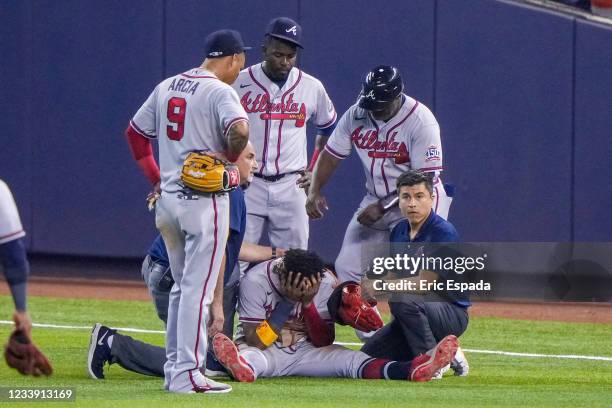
{"points": [[214, 53], [292, 30], [370, 95], [432, 153]]}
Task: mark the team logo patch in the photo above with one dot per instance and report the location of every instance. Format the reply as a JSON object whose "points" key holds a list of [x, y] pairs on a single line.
{"points": [[370, 95], [214, 53], [292, 30], [432, 153]]}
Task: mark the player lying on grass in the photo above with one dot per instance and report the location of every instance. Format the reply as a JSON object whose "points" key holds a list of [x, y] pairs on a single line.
{"points": [[286, 329]]}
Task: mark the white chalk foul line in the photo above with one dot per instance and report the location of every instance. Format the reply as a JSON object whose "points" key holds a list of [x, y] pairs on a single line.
{"points": [[501, 353], [513, 354], [58, 326]]}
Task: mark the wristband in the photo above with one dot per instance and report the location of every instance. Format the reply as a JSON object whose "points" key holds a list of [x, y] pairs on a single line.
{"points": [[313, 160], [273, 252], [266, 334]]}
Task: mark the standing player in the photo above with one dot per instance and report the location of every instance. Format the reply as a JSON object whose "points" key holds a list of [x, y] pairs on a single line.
{"points": [[106, 345], [193, 111], [286, 329], [392, 133], [26, 358], [279, 99]]}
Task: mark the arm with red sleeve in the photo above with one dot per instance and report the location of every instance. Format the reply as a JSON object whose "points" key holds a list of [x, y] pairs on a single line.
{"points": [[320, 332], [140, 131], [319, 324], [142, 153]]}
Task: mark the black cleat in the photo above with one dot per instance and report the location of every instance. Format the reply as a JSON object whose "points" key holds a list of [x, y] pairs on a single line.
{"points": [[99, 351]]}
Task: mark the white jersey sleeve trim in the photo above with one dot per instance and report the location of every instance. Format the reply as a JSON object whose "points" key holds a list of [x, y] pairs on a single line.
{"points": [[140, 131], [334, 153], [431, 168], [328, 124], [231, 122]]}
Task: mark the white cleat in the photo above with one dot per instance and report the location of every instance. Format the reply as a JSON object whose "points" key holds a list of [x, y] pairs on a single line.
{"points": [[460, 364], [440, 373]]}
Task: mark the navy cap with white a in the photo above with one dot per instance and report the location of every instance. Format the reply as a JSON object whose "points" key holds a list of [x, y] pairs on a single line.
{"points": [[285, 29], [223, 43]]}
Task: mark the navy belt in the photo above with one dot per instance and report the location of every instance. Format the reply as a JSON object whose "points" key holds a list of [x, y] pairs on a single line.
{"points": [[276, 177]]}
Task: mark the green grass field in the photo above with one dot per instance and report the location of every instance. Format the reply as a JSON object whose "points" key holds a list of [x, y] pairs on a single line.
{"points": [[494, 380]]}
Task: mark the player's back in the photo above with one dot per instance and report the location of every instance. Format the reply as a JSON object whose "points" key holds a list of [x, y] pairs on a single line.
{"points": [[190, 111]]}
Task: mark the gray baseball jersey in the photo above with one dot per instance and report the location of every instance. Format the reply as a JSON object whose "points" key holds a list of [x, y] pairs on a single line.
{"points": [[187, 112], [277, 125], [259, 295], [292, 353], [278, 116], [409, 140]]}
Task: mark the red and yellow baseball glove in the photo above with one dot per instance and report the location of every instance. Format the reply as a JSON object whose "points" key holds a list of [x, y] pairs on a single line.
{"points": [[347, 307]]}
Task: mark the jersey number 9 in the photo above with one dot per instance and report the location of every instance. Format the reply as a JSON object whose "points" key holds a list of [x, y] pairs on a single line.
{"points": [[177, 107]]}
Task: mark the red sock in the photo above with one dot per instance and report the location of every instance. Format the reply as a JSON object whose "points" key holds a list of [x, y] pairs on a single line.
{"points": [[378, 368]]}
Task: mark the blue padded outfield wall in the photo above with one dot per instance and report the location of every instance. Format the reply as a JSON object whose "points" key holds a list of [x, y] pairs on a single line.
{"points": [[522, 94]]}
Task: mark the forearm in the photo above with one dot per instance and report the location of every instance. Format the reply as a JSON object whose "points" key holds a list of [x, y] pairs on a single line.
{"points": [[254, 253], [19, 291], [142, 152], [321, 333], [237, 139], [218, 294], [321, 141], [323, 170], [265, 334]]}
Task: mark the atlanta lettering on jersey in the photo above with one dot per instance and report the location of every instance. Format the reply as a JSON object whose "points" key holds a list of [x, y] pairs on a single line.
{"points": [[184, 85], [288, 110], [390, 148]]}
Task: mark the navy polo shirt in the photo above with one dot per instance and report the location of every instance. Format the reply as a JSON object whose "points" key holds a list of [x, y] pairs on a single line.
{"points": [[237, 227], [435, 229]]}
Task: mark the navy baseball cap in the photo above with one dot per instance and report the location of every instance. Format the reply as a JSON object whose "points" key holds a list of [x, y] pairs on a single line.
{"points": [[285, 29], [223, 43]]}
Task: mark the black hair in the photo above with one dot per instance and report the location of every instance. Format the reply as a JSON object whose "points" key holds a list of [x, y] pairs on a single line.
{"points": [[413, 177], [307, 263]]}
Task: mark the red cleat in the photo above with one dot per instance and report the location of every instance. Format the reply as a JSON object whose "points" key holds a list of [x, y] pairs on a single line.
{"points": [[227, 354], [425, 366]]}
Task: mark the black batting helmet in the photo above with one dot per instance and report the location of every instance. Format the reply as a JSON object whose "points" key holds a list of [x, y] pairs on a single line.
{"points": [[380, 87]]}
